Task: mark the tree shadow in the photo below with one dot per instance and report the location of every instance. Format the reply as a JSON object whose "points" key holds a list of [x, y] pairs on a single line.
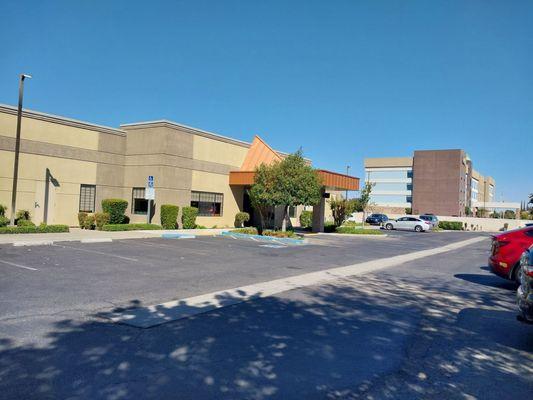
{"points": [[340, 339], [488, 280]]}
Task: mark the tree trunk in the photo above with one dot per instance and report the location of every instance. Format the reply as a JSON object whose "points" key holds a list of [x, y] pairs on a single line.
{"points": [[261, 219], [284, 222]]}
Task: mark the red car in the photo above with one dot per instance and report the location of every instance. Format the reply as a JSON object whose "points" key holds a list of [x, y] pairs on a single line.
{"points": [[507, 248]]}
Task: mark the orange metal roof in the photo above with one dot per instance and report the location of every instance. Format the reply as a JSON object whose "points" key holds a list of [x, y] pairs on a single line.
{"points": [[259, 153], [330, 179]]}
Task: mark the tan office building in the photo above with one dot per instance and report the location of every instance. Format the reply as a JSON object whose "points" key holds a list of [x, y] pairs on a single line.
{"points": [[67, 166]]}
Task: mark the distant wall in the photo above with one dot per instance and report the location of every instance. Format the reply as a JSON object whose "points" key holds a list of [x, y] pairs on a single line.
{"points": [[479, 224]]}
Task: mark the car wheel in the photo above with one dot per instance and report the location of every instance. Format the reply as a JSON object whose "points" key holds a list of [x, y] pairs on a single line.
{"points": [[517, 273], [388, 227], [418, 228]]}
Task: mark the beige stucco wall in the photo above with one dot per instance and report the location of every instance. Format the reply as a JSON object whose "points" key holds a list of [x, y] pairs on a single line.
{"points": [[73, 154]]}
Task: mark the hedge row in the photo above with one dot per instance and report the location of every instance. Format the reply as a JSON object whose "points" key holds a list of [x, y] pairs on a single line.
{"points": [[451, 225], [35, 229], [130, 227], [353, 230]]}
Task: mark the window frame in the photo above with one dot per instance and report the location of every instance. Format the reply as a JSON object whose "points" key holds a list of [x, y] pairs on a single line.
{"points": [[133, 198], [87, 186], [215, 195]]}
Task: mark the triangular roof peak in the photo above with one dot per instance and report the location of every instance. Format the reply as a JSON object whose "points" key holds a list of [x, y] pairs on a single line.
{"points": [[259, 153]]}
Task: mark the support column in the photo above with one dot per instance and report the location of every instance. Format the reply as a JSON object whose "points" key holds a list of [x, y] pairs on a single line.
{"points": [[319, 213]]}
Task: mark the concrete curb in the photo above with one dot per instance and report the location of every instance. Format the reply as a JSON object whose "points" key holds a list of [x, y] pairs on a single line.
{"points": [[96, 240], [33, 243], [150, 316], [265, 238]]}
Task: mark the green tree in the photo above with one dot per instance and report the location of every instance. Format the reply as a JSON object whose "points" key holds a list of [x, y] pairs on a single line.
{"points": [[263, 193], [297, 184], [364, 200], [341, 209], [290, 182]]}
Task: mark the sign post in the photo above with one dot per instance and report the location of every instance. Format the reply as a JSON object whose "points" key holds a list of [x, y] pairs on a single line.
{"points": [[149, 194]]}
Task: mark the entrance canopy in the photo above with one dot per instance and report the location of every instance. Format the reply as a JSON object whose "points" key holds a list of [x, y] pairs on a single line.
{"points": [[330, 180], [261, 153]]}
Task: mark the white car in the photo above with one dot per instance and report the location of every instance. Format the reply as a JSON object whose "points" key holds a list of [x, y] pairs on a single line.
{"points": [[408, 224]]}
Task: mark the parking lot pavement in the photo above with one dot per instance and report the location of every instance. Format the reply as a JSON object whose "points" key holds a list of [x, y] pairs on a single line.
{"points": [[43, 284], [439, 327]]}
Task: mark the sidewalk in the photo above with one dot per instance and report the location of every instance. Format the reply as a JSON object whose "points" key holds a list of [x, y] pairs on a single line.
{"points": [[77, 234]]}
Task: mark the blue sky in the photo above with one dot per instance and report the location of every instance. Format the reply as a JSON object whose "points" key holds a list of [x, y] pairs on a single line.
{"points": [[343, 79]]}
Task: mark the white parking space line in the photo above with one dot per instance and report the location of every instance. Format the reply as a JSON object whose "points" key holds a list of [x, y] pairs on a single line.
{"points": [[97, 252], [146, 317], [18, 265]]}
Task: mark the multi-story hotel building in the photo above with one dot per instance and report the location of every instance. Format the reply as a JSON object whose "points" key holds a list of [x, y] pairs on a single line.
{"points": [[442, 182]]}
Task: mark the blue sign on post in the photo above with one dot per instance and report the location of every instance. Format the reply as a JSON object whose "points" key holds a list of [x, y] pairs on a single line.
{"points": [[151, 181]]}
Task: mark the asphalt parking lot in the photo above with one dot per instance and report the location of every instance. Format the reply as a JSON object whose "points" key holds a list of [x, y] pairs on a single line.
{"points": [[75, 279], [439, 327]]}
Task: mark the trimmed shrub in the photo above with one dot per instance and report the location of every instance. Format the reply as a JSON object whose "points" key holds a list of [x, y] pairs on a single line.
{"points": [[525, 215], [3, 221], [306, 219], [116, 209], [43, 228], [247, 231], [81, 219], [130, 227], [89, 222], [188, 217], [329, 227], [509, 214], [169, 216], [22, 215], [451, 225], [352, 230], [280, 234], [24, 222], [3, 210], [101, 219], [241, 218], [408, 211]]}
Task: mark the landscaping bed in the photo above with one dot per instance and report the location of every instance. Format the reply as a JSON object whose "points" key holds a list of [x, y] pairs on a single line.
{"points": [[130, 227], [353, 230], [267, 232], [34, 229]]}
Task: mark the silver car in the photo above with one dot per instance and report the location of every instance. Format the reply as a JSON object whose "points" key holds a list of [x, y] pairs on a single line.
{"points": [[408, 224]]}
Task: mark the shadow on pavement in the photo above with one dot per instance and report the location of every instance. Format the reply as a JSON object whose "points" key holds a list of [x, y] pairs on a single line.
{"points": [[374, 336], [488, 280]]}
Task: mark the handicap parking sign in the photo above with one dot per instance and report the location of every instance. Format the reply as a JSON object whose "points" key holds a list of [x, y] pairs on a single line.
{"points": [[151, 181]]}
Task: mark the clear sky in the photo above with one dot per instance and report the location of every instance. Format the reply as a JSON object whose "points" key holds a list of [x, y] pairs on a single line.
{"points": [[343, 79]]}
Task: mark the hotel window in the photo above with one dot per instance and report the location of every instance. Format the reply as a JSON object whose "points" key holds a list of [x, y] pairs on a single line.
{"points": [[208, 204], [87, 198], [139, 205]]}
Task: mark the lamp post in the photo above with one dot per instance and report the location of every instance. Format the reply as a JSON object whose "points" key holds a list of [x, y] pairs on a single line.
{"points": [[17, 149], [347, 170]]}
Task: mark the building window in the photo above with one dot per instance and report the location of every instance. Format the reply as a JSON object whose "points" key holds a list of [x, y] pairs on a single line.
{"points": [[208, 204], [292, 212], [139, 205], [87, 198]]}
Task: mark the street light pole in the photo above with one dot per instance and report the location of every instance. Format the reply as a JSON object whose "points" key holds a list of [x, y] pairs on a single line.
{"points": [[347, 170], [17, 150]]}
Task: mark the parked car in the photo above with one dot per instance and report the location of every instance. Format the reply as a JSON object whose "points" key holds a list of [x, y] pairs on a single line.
{"points": [[507, 248], [432, 218], [524, 294], [409, 224], [376, 219]]}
